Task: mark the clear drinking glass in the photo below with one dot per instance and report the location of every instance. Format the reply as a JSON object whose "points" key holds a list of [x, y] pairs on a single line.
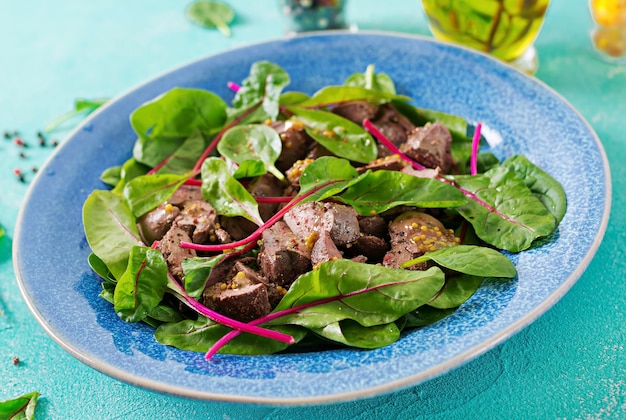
{"points": [[506, 29]]}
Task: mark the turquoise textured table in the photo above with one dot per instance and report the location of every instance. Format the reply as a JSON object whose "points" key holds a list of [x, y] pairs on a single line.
{"points": [[568, 364]]}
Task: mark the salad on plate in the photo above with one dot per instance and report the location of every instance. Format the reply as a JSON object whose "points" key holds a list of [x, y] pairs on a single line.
{"points": [[290, 222]]}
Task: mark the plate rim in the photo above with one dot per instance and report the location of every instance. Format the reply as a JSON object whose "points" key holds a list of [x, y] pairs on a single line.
{"points": [[388, 387]]}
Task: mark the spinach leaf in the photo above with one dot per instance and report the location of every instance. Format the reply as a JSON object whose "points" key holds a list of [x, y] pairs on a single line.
{"points": [[146, 192], [99, 267], [252, 142], [368, 294], [508, 216], [335, 95], [378, 191], [249, 169], [227, 196], [426, 315], [548, 190], [264, 84], [112, 176], [470, 259], [20, 408], [293, 98], [339, 135], [371, 80], [457, 289], [130, 170], [353, 334], [327, 176], [183, 159], [198, 335], [211, 14], [110, 229], [142, 286], [197, 271], [164, 123]]}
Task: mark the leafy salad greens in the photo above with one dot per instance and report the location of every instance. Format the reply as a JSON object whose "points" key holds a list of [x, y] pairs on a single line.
{"points": [[191, 140]]}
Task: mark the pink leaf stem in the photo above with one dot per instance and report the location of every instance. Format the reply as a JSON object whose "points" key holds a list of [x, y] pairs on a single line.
{"points": [[233, 86], [474, 156], [226, 321], [389, 145], [278, 314]]}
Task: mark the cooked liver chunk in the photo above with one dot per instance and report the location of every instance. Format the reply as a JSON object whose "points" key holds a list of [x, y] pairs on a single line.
{"points": [[324, 249], [283, 256], [338, 220], [430, 146], [197, 218], [154, 224], [413, 234], [172, 251]]}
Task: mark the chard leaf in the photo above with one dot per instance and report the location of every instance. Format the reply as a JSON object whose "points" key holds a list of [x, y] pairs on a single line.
{"points": [[184, 158], [146, 192], [378, 191], [108, 290], [327, 176], [335, 95], [340, 136], [514, 217], [353, 334], [293, 98], [456, 291], [252, 142], [142, 286], [20, 408], [368, 294], [112, 176], [548, 190], [164, 313], [249, 169], [371, 80], [110, 229], [131, 169], [470, 259], [227, 196], [211, 14], [264, 84], [426, 315], [99, 267], [197, 271], [164, 123], [199, 335]]}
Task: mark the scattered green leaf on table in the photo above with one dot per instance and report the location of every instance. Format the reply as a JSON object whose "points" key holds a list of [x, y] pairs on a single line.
{"points": [[20, 408], [211, 14]]}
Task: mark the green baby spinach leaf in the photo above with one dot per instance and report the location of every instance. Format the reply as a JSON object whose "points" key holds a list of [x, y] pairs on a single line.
{"points": [[146, 192], [426, 315], [371, 80], [211, 14], [548, 190], [378, 191], [368, 294], [326, 176], [504, 212], [20, 408], [264, 84], [339, 135], [335, 95], [164, 123], [130, 170], [470, 259], [197, 271], [457, 289], [142, 286], [252, 142], [199, 335], [227, 196], [353, 334], [183, 159], [110, 229]]}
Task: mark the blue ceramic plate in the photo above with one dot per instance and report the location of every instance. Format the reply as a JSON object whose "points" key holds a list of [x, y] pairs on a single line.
{"points": [[522, 116]]}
